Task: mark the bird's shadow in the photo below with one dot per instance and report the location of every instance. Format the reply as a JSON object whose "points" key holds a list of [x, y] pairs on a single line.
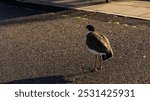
{"points": [[42, 80], [49, 79]]}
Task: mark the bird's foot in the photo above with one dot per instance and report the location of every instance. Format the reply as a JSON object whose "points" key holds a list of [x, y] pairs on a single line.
{"points": [[92, 70], [96, 69]]}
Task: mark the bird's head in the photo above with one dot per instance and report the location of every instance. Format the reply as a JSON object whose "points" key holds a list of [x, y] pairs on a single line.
{"points": [[90, 28]]}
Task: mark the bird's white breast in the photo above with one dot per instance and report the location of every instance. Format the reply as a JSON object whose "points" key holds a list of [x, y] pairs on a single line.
{"points": [[94, 52]]}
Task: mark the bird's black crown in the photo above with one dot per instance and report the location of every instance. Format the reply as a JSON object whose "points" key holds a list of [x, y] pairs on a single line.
{"points": [[90, 28]]}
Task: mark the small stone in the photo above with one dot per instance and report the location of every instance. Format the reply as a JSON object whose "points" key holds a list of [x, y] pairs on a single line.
{"points": [[85, 19], [110, 22], [133, 26], [144, 56], [52, 13], [84, 15], [64, 15], [118, 23], [78, 17], [126, 25]]}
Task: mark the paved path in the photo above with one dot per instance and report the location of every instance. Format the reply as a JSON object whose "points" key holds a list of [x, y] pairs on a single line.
{"points": [[136, 9]]}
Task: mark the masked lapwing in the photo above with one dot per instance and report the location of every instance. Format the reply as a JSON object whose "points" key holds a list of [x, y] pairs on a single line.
{"points": [[99, 45]]}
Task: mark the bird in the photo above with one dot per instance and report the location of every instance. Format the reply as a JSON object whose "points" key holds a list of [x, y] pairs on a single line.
{"points": [[99, 45]]}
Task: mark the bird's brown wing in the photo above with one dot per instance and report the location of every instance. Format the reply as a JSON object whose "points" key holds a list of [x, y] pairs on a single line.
{"points": [[104, 40], [98, 42]]}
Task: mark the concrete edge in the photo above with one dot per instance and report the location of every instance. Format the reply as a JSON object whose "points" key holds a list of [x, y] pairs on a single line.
{"points": [[122, 15]]}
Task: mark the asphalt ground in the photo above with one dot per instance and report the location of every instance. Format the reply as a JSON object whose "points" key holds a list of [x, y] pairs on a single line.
{"points": [[50, 48]]}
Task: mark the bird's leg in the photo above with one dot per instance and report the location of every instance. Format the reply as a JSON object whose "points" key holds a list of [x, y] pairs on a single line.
{"points": [[95, 61], [100, 62], [100, 59], [94, 67]]}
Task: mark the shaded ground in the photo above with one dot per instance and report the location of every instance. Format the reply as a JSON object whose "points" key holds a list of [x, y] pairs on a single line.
{"points": [[8, 12], [68, 3], [53, 45], [41, 80]]}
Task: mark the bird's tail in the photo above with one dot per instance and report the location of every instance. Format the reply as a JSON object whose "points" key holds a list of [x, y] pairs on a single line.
{"points": [[107, 56]]}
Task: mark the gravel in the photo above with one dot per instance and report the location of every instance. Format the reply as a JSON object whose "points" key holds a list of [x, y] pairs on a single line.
{"points": [[50, 48]]}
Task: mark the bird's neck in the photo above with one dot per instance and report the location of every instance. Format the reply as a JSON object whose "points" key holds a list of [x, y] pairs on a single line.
{"points": [[89, 32]]}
